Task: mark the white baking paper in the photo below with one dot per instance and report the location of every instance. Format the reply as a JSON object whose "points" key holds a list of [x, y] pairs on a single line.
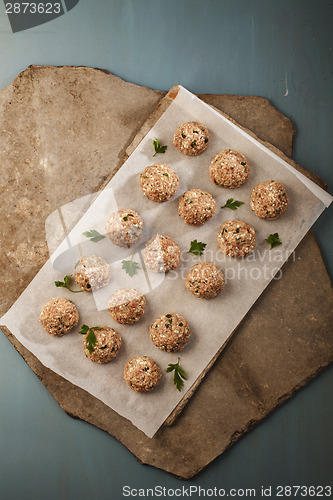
{"points": [[211, 321]]}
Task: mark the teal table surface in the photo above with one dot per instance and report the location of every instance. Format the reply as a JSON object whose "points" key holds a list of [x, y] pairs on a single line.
{"points": [[281, 50]]}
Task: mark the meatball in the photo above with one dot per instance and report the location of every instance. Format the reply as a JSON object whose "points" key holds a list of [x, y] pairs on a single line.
{"points": [[269, 200], [205, 280], [142, 374], [161, 254], [159, 182], [236, 238], [127, 306], [106, 347], [196, 207], [91, 273], [170, 332], [59, 316], [191, 138], [124, 228], [229, 169]]}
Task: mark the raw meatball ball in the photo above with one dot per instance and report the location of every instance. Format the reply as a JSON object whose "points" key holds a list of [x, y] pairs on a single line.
{"points": [[127, 306], [159, 182], [108, 343], [124, 228], [269, 200], [59, 316], [236, 238], [142, 374], [170, 332], [229, 169], [205, 280], [161, 254], [91, 273], [191, 138], [196, 207]]}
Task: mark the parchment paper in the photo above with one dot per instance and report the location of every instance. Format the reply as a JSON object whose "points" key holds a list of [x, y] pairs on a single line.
{"points": [[211, 321]]}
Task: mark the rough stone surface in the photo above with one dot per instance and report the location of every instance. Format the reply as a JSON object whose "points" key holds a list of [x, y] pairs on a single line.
{"points": [[279, 346], [64, 131], [273, 353], [248, 111]]}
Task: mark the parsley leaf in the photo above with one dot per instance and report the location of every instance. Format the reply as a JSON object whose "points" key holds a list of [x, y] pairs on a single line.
{"points": [[93, 235], [84, 329], [197, 247], [91, 337], [64, 284], [130, 266], [178, 376], [233, 204], [274, 240], [158, 148], [127, 216]]}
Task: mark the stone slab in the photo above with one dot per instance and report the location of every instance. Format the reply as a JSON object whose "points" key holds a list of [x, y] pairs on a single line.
{"points": [[283, 129], [64, 131], [57, 125]]}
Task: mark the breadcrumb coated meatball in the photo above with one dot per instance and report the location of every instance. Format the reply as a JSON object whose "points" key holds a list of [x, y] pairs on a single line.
{"points": [[161, 254], [269, 200], [236, 238], [124, 228], [159, 182], [92, 272], [196, 207], [229, 169], [59, 316], [127, 306], [205, 280], [170, 332], [107, 345], [191, 138], [142, 374]]}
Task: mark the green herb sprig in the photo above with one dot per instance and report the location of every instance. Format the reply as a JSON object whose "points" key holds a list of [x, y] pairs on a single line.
{"points": [[130, 266], [179, 375], [64, 284], [197, 247], [158, 147], [125, 218], [91, 337], [274, 240], [233, 204], [94, 235]]}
